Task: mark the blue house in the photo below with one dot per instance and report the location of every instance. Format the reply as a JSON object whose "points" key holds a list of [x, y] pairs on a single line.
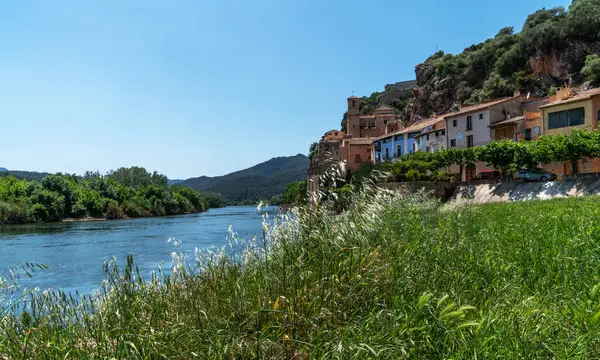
{"points": [[391, 147]]}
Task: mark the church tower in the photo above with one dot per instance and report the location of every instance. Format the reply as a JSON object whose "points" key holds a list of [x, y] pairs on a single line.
{"points": [[353, 118]]}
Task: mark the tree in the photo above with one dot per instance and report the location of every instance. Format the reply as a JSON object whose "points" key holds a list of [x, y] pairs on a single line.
{"points": [[295, 193], [495, 87], [461, 157], [591, 69], [567, 148], [500, 155]]}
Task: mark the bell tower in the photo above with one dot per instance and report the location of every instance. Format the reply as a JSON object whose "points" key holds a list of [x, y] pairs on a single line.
{"points": [[353, 118]]}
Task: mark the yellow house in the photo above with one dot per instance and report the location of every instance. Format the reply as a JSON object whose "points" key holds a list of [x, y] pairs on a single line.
{"points": [[571, 111]]}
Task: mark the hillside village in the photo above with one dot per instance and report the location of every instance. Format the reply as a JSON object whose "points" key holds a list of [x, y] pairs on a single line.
{"points": [[382, 136]]}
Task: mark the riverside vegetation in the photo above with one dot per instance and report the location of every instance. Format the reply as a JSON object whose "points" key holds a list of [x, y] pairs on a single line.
{"points": [[127, 192], [506, 155], [389, 277]]}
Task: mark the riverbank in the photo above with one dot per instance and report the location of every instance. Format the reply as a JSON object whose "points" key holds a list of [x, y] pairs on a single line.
{"points": [[392, 277], [86, 219]]}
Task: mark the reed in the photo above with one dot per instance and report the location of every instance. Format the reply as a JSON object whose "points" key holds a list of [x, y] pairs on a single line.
{"points": [[390, 277]]}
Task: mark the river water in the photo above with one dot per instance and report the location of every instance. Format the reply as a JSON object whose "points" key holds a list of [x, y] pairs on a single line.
{"points": [[75, 252]]}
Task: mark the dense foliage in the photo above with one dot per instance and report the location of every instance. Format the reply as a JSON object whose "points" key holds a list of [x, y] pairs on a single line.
{"points": [[554, 46], [127, 192], [262, 182], [591, 69], [504, 155], [295, 193], [392, 278], [28, 175]]}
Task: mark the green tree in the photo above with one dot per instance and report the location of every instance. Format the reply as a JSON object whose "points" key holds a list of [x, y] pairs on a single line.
{"points": [[591, 69], [500, 155], [295, 193]]}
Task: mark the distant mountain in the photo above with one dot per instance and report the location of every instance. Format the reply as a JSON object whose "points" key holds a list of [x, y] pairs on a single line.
{"points": [[29, 175], [3, 169], [259, 182], [174, 181]]}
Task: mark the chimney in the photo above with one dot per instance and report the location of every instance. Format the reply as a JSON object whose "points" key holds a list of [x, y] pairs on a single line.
{"points": [[517, 93]]}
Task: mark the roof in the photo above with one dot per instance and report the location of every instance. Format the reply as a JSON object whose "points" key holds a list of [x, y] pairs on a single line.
{"points": [[512, 120], [584, 95], [414, 128], [353, 97], [479, 107]]}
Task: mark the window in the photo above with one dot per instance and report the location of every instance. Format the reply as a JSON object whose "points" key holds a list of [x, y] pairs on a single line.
{"points": [[469, 123], [427, 137], [572, 117], [527, 134], [437, 133], [443, 132], [384, 141], [369, 150], [398, 150], [357, 159], [470, 141], [453, 143], [454, 123], [536, 130], [336, 133], [481, 116], [387, 153]]}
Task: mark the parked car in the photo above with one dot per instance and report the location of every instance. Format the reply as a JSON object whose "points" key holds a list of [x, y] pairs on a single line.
{"points": [[535, 175], [488, 175]]}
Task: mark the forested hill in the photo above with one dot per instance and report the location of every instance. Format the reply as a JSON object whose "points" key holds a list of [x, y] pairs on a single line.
{"points": [[260, 182], [552, 47], [24, 175]]}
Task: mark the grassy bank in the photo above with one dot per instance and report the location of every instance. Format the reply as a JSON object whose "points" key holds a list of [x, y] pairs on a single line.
{"points": [[390, 278]]}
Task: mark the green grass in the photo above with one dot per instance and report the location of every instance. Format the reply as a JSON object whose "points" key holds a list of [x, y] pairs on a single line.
{"points": [[390, 278]]}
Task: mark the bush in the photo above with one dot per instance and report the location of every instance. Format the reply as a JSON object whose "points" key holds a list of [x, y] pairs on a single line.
{"points": [[113, 210], [591, 70]]}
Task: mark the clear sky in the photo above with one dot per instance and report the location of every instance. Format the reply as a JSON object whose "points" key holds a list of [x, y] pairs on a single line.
{"points": [[198, 87]]}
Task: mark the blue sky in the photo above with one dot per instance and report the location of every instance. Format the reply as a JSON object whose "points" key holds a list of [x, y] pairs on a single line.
{"points": [[192, 88]]}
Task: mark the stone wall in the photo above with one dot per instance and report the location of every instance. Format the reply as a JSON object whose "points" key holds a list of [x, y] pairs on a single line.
{"points": [[502, 192], [441, 190]]}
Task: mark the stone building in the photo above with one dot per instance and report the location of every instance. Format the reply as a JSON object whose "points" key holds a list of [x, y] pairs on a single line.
{"points": [[383, 120], [355, 145]]}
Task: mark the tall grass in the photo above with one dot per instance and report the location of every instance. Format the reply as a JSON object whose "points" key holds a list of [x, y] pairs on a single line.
{"points": [[391, 277]]}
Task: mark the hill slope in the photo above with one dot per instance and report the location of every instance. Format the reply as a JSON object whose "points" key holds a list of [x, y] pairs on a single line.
{"points": [[262, 181], [551, 48], [27, 175]]}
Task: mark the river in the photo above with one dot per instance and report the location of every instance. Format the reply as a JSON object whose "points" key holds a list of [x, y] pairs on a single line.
{"points": [[75, 252]]}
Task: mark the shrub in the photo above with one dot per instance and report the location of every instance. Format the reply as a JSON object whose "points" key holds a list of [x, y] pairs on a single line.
{"points": [[113, 210], [591, 70]]}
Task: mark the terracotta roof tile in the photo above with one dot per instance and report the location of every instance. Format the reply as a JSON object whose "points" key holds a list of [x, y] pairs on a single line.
{"points": [[414, 127], [478, 107], [512, 120], [584, 95]]}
